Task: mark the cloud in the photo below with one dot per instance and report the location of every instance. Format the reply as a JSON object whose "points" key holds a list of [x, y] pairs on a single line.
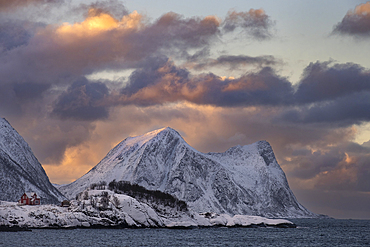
{"points": [[111, 7], [18, 98], [332, 167], [110, 38], [327, 94], [6, 5], [310, 164], [234, 62], [336, 94], [81, 101], [344, 111], [14, 34], [255, 23], [324, 81], [356, 22], [8, 101], [102, 42], [168, 83]]}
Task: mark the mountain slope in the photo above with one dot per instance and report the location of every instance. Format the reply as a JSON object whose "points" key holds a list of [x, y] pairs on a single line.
{"points": [[20, 171], [242, 180]]}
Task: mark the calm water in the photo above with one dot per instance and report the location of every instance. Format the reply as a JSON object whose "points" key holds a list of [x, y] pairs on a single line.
{"points": [[310, 232]]}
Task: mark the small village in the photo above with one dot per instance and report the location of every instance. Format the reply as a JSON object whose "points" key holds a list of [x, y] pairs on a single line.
{"points": [[31, 198]]}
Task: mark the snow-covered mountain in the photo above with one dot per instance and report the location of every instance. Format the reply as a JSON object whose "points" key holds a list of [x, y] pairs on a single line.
{"points": [[243, 180], [20, 171]]}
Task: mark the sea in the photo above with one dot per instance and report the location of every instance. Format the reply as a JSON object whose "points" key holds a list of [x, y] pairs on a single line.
{"points": [[309, 232]]}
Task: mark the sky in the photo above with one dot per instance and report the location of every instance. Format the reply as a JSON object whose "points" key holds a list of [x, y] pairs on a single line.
{"points": [[78, 77]]}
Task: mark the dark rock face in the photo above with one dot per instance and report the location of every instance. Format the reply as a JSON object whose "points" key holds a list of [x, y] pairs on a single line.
{"points": [[20, 171], [242, 180]]}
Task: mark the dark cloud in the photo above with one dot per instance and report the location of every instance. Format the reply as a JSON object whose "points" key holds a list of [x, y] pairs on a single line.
{"points": [[326, 93], [81, 101], [14, 34], [29, 91], [235, 62], [355, 23], [308, 165], [344, 111], [337, 94], [15, 98], [323, 81], [153, 72], [255, 22]]}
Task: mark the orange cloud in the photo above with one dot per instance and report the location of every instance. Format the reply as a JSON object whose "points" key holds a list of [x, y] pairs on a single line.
{"points": [[362, 9], [96, 24]]}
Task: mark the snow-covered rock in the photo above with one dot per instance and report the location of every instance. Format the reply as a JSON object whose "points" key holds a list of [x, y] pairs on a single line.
{"points": [[244, 180], [20, 171]]}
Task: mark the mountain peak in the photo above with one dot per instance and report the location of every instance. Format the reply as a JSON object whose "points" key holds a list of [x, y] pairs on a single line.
{"points": [[169, 130], [164, 130], [158, 133]]}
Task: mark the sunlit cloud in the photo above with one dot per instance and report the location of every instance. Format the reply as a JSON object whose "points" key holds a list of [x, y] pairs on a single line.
{"points": [[255, 22], [96, 23], [356, 22]]}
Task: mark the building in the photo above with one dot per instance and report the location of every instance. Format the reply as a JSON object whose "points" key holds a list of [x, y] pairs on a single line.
{"points": [[65, 203], [30, 198]]}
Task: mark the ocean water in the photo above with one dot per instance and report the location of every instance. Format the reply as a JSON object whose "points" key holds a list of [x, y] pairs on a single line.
{"points": [[310, 232]]}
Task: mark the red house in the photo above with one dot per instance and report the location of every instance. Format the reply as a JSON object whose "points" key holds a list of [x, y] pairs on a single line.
{"points": [[29, 198]]}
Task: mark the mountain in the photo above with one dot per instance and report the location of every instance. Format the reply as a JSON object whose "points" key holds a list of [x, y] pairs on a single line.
{"points": [[243, 180], [20, 171]]}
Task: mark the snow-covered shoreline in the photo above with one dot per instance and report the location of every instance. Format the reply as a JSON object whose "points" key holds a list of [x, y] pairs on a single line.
{"points": [[120, 211]]}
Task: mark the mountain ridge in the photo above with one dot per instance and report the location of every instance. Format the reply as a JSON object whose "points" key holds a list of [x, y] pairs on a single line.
{"points": [[20, 171]]}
